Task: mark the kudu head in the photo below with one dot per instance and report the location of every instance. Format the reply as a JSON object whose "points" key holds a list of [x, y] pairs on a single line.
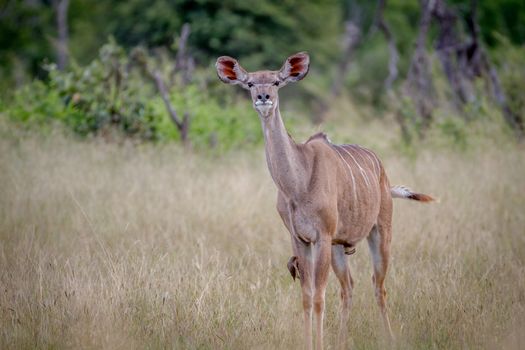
{"points": [[264, 85]]}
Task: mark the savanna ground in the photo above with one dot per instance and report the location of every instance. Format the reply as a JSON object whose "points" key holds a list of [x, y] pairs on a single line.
{"points": [[118, 246]]}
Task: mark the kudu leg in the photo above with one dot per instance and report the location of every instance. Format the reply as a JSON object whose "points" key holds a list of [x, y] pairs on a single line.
{"points": [[322, 257], [342, 271], [379, 244], [304, 263]]}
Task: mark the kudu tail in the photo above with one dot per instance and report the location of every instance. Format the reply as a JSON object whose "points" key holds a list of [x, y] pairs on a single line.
{"points": [[405, 192]]}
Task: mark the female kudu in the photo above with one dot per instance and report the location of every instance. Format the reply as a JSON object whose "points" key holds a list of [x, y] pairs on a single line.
{"points": [[329, 196]]}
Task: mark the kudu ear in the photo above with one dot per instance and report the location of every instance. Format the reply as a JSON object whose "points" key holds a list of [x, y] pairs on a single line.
{"points": [[295, 67], [230, 71]]}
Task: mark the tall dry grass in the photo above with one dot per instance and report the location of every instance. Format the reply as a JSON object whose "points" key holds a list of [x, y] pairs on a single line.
{"points": [[118, 247]]}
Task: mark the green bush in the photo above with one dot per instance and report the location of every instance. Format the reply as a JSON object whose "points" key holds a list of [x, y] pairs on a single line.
{"points": [[512, 74], [37, 105], [212, 123], [107, 93], [112, 93]]}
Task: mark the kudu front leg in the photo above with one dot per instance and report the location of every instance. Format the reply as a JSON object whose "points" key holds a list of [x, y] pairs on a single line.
{"points": [[313, 262], [303, 262], [322, 259]]}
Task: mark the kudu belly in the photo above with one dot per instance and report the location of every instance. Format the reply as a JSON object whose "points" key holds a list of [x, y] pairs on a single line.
{"points": [[357, 217]]}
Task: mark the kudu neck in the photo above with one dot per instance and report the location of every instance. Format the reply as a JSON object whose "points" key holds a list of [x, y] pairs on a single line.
{"points": [[284, 160]]}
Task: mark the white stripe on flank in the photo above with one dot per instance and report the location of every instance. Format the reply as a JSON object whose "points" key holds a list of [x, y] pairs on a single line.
{"points": [[354, 189], [376, 173], [359, 166], [366, 156], [371, 155], [374, 160]]}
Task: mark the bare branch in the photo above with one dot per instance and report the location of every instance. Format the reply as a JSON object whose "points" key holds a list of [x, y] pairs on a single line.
{"points": [[181, 52], [181, 124], [161, 88], [184, 63]]}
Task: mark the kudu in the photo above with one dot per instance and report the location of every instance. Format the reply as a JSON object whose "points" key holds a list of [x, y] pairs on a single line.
{"points": [[329, 197]]}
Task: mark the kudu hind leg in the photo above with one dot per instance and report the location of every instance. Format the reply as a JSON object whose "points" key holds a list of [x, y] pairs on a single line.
{"points": [[379, 244], [342, 271]]}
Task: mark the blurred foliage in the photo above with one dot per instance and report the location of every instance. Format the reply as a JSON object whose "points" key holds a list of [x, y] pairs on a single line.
{"points": [[104, 90], [36, 105], [260, 33], [512, 73], [24, 41], [111, 94], [503, 17], [211, 124]]}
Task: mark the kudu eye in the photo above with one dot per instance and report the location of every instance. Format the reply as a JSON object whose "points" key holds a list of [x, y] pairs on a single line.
{"points": [[250, 84], [276, 83]]}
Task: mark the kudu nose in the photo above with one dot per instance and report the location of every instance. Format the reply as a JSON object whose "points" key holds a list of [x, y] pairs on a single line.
{"points": [[263, 98]]}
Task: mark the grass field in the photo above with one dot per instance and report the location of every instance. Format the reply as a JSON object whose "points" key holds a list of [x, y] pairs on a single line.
{"points": [[106, 246]]}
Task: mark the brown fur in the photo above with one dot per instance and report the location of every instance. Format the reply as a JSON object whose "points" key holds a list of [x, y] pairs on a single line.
{"points": [[421, 197], [330, 197]]}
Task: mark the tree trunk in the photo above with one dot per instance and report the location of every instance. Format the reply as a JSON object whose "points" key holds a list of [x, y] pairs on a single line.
{"points": [[419, 81], [512, 119], [448, 46], [351, 39], [479, 64], [61, 8]]}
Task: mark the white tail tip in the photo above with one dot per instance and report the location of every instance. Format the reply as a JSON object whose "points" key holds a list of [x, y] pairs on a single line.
{"points": [[405, 192]]}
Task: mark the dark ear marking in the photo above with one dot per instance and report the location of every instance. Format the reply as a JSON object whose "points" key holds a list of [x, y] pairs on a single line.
{"points": [[295, 67], [229, 70], [295, 60]]}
